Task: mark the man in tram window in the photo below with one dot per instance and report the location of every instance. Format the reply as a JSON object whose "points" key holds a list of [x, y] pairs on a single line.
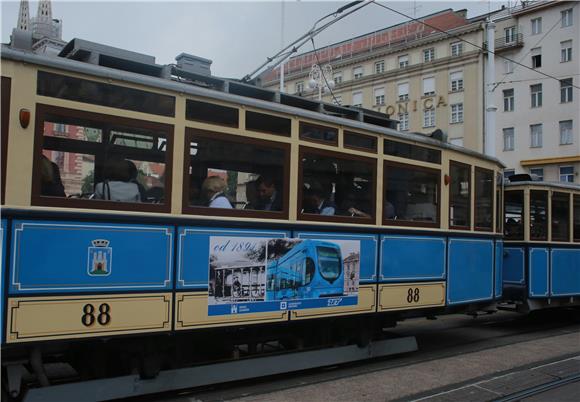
{"points": [[268, 196], [320, 200]]}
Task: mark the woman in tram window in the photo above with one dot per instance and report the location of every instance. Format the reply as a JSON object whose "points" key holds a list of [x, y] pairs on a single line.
{"points": [[213, 191]]}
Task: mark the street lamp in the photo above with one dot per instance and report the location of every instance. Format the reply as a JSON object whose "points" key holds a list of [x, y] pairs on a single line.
{"points": [[321, 78]]}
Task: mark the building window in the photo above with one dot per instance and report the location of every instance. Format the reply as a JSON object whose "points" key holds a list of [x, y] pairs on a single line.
{"points": [[357, 99], [429, 54], [537, 26], [379, 96], [567, 174], [456, 79], [429, 86], [510, 34], [507, 173], [537, 57], [337, 77], [404, 61], [566, 51], [566, 132], [566, 18], [380, 67], [538, 172], [403, 90], [536, 135], [508, 66], [509, 140], [357, 73], [536, 91], [457, 113], [429, 118], [403, 121], [456, 49], [338, 100], [299, 87], [508, 100], [566, 90]]}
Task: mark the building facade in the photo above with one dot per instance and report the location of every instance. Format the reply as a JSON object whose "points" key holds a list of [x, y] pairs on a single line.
{"points": [[538, 117], [412, 72]]}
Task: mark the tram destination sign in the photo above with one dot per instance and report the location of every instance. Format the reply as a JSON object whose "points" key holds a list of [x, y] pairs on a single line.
{"points": [[253, 275]]}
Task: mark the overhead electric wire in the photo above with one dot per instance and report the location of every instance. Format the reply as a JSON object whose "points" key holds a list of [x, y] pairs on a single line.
{"points": [[466, 41]]}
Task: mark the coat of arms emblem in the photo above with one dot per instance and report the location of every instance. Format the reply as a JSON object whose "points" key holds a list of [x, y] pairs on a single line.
{"points": [[100, 258]]}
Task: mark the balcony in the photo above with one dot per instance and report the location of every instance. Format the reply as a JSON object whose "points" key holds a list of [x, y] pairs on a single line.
{"points": [[503, 43]]}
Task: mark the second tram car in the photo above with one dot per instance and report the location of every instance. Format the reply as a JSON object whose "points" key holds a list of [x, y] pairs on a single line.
{"points": [[541, 267]]}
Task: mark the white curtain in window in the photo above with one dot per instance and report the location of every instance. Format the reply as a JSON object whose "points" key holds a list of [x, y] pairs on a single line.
{"points": [[403, 89], [429, 85], [357, 98]]}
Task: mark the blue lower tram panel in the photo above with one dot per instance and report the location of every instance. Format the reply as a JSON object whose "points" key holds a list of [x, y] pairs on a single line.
{"points": [[470, 270]]}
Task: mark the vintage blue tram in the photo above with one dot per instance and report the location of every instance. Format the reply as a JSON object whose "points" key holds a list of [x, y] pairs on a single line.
{"points": [[541, 267], [309, 270], [139, 202]]}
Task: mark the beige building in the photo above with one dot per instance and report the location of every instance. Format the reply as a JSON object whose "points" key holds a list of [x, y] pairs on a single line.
{"points": [[416, 74]]}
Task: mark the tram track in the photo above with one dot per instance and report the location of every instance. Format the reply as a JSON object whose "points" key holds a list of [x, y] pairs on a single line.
{"points": [[452, 336]]}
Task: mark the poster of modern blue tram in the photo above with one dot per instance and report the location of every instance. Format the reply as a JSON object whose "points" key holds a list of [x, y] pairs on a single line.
{"points": [[251, 275]]}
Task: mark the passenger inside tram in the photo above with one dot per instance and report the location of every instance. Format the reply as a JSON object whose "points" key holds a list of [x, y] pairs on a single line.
{"points": [[51, 183], [268, 197], [213, 192], [117, 184]]}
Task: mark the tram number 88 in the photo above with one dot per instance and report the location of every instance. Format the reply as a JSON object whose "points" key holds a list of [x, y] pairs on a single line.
{"points": [[90, 315], [413, 295]]}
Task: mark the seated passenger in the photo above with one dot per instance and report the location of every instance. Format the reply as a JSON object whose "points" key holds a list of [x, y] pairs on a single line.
{"points": [[117, 185], [268, 198], [213, 192], [133, 174], [50, 181], [389, 210], [320, 200]]}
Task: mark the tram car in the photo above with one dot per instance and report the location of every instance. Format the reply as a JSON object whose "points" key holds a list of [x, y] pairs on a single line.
{"points": [[311, 269], [541, 266], [133, 193]]}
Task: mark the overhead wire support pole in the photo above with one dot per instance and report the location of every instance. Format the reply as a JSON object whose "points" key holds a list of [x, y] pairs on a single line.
{"points": [[294, 46]]}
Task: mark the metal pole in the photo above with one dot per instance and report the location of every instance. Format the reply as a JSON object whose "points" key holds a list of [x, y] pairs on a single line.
{"points": [[490, 107]]}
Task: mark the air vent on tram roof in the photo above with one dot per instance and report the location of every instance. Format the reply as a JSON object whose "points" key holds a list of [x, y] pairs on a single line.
{"points": [[112, 57]]}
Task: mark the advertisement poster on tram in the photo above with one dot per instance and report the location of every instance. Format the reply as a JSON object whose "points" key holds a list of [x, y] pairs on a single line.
{"points": [[253, 275]]}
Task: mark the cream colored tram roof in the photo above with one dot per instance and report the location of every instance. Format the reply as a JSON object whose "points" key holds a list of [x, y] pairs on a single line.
{"points": [[546, 184], [190, 89]]}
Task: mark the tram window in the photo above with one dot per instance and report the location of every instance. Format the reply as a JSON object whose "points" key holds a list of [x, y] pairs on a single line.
{"points": [[411, 195], [336, 186], [267, 123], [309, 272], [409, 151], [560, 217], [318, 133], [576, 217], [235, 176], [360, 141], [104, 94], [100, 160], [538, 215], [514, 215], [483, 199], [499, 202], [211, 113], [460, 196]]}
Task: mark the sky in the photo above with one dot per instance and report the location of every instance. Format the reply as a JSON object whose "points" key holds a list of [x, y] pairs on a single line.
{"points": [[237, 36]]}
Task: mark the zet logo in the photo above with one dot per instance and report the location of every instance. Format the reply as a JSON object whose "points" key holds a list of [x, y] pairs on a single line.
{"points": [[100, 258], [283, 305], [234, 309], [334, 302]]}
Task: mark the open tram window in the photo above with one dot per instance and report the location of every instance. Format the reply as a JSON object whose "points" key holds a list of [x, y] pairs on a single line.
{"points": [[235, 176], [336, 187], [483, 199], [99, 161], [460, 196], [577, 217], [411, 196], [514, 215], [538, 215], [560, 217]]}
